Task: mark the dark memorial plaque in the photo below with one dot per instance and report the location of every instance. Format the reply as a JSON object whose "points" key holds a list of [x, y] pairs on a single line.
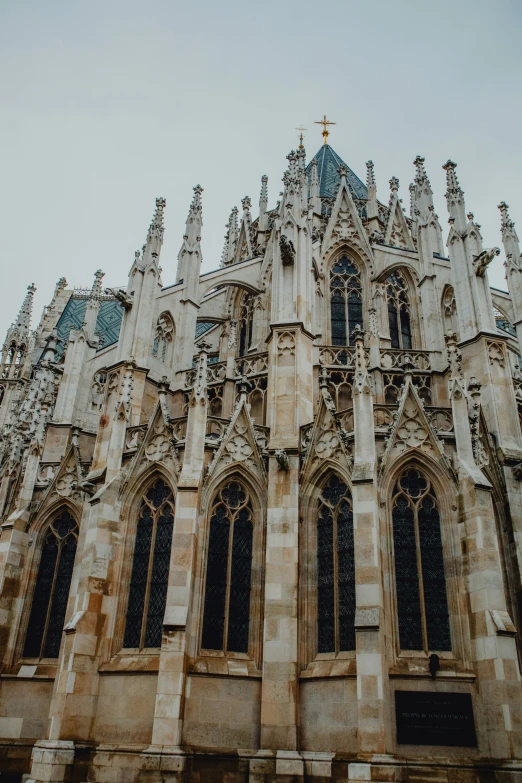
{"points": [[426, 718]]}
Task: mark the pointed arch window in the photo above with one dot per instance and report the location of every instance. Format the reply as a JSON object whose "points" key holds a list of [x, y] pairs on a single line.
{"points": [[246, 324], [162, 337], [345, 301], [150, 568], [51, 592], [422, 603], [226, 613], [449, 311], [399, 311], [335, 569]]}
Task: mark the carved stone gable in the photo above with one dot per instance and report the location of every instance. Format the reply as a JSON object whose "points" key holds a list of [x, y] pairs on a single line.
{"points": [[326, 440], [238, 444]]}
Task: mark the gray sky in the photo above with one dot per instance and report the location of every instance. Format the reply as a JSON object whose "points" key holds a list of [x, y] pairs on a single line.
{"points": [[107, 104]]}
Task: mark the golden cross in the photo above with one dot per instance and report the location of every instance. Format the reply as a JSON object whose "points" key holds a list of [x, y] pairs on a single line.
{"points": [[301, 129], [324, 122]]}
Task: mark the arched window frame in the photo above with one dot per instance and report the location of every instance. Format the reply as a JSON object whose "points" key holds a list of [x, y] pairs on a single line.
{"points": [[399, 305], [348, 292], [451, 553], [33, 584], [308, 593], [245, 324], [163, 338], [134, 514], [254, 655]]}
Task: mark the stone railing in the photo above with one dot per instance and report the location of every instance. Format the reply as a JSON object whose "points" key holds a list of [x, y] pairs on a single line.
{"points": [[134, 437], [392, 358], [256, 364], [216, 373], [216, 427], [334, 356]]}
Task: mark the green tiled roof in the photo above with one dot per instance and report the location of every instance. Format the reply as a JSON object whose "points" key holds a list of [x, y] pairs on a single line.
{"points": [[328, 161], [108, 322]]}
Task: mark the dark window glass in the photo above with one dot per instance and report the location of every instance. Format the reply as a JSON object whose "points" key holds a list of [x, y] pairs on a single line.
{"points": [[419, 566], [246, 324], [399, 317], [394, 325], [150, 569], [345, 301], [226, 613], [51, 592], [405, 328], [335, 569]]}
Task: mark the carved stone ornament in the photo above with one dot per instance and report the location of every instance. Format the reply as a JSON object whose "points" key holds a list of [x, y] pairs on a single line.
{"points": [[287, 250], [282, 459], [496, 354], [286, 344]]}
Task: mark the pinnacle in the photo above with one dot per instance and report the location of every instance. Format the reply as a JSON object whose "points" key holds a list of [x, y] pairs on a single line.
{"points": [[97, 285], [394, 185], [156, 227], [24, 316], [370, 174]]}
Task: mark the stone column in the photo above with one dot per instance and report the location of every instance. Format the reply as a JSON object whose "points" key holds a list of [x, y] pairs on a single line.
{"points": [[493, 646], [289, 406], [369, 625], [172, 678]]}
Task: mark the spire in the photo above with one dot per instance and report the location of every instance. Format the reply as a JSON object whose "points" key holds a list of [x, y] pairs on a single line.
{"points": [[23, 321], [421, 177], [455, 197], [315, 188], [195, 218], [372, 209], [152, 247], [96, 289], [509, 237], [412, 200], [370, 175], [232, 236], [262, 224], [93, 305]]}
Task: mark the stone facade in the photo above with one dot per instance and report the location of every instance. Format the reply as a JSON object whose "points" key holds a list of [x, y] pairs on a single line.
{"points": [[242, 511]]}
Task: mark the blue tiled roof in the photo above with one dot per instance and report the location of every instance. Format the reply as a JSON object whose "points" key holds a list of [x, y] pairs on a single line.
{"points": [[328, 161], [108, 322], [202, 327]]}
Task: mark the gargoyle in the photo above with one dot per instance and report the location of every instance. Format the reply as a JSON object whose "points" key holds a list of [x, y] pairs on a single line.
{"points": [[481, 262], [282, 459]]}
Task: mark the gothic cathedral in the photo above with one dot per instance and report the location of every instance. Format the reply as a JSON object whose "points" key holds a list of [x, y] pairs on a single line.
{"points": [[264, 524]]}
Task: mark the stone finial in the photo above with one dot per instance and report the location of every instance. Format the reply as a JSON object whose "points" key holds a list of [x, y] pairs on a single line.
{"points": [[394, 185], [60, 285], [246, 203], [314, 178], [412, 199], [23, 320], [452, 182], [204, 346], [195, 218], [506, 224], [156, 227], [342, 171], [96, 290], [370, 175], [420, 172]]}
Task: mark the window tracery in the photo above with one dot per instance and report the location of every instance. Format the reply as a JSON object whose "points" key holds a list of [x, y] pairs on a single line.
{"points": [[150, 568], [226, 613], [345, 300], [51, 592], [449, 311], [335, 569], [422, 604], [246, 324], [162, 337], [399, 311]]}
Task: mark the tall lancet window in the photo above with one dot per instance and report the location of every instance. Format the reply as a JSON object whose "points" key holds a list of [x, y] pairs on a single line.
{"points": [[335, 569], [246, 324], [162, 337], [422, 602], [399, 311], [345, 300], [226, 613], [150, 568], [51, 592]]}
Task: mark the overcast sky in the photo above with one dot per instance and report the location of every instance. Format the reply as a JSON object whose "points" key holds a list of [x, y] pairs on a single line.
{"points": [[106, 104]]}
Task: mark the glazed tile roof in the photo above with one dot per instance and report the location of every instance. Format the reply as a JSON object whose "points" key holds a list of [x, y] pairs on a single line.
{"points": [[328, 161], [108, 322]]}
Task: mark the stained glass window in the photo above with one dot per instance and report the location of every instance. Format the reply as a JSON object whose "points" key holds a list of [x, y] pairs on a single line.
{"points": [[345, 300], [226, 614], [150, 568], [335, 569], [399, 316], [422, 603], [51, 592]]}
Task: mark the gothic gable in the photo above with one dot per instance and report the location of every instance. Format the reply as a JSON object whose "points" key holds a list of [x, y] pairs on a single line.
{"points": [[345, 226], [158, 445], [325, 440], [239, 444], [397, 233]]}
